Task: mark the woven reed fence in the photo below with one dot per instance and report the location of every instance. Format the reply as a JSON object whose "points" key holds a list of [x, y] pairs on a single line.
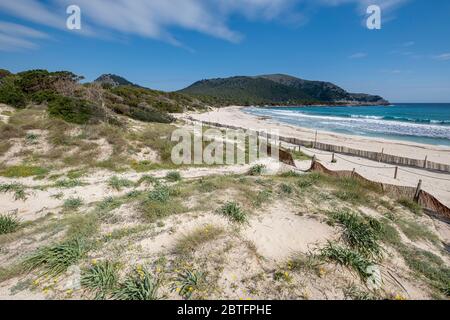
{"points": [[376, 156], [426, 200]]}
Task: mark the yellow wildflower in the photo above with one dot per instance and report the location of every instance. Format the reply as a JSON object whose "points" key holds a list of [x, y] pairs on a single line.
{"points": [[322, 272], [399, 297]]}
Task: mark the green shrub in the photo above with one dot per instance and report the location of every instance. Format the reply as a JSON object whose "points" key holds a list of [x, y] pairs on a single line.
{"points": [[361, 235], [72, 110], [189, 243], [8, 223], [286, 188], [256, 170], [347, 258], [23, 171], [428, 265], [119, 183], [308, 180], [44, 96], [11, 94], [173, 176], [233, 211], [101, 279], [410, 204], [68, 183], [290, 174], [153, 210], [147, 180], [109, 203], [261, 198], [160, 193], [188, 282], [139, 285], [56, 259], [17, 188], [73, 203], [40, 80]]}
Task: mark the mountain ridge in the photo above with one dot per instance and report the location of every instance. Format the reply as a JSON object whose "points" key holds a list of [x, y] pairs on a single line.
{"points": [[278, 89]]}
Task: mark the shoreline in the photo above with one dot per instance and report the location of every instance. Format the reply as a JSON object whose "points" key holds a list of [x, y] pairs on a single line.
{"points": [[234, 115], [436, 183]]}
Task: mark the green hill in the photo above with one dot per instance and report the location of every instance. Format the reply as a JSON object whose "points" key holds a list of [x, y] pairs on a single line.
{"points": [[276, 89], [101, 101]]}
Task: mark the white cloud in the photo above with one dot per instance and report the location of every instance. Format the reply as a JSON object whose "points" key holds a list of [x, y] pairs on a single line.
{"points": [[408, 44], [15, 37], [157, 18], [358, 55], [442, 57]]}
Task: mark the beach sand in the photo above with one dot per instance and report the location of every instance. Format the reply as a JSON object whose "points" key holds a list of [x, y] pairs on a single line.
{"points": [[438, 184]]}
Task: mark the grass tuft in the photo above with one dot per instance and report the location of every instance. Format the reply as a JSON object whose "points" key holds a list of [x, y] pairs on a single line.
{"points": [[361, 235], [256, 170], [8, 223], [72, 204], [101, 279], [139, 285], [16, 188], [23, 171], [346, 257], [173, 176], [286, 188], [411, 205], [118, 184], [109, 204], [188, 282], [188, 243], [68, 183], [233, 211], [56, 259]]}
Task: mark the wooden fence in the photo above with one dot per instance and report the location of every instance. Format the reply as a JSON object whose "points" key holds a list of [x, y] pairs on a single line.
{"points": [[432, 205], [376, 156]]}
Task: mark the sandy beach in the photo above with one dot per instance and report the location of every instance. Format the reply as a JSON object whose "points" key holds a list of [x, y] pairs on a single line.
{"points": [[437, 184]]}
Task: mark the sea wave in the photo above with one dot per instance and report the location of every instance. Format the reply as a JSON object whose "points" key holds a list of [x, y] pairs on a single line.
{"points": [[361, 124]]}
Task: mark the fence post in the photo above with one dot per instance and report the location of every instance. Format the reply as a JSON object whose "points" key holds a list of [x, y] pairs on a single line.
{"points": [[381, 155], [333, 159], [419, 188], [425, 163], [315, 141], [396, 173], [353, 172]]}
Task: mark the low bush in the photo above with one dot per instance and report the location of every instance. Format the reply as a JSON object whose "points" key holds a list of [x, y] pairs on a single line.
{"points": [[410, 204], [118, 184], [256, 170], [56, 259], [173, 176], [8, 223], [139, 285], [72, 110], [72, 203], [346, 257], [233, 211], [101, 279]]}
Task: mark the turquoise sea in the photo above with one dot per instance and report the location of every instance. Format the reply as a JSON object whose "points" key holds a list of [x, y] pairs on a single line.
{"points": [[419, 122]]}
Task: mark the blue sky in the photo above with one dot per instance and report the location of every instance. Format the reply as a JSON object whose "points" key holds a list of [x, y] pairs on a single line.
{"points": [[168, 44]]}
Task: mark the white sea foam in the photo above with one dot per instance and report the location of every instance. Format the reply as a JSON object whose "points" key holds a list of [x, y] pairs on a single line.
{"points": [[369, 125]]}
